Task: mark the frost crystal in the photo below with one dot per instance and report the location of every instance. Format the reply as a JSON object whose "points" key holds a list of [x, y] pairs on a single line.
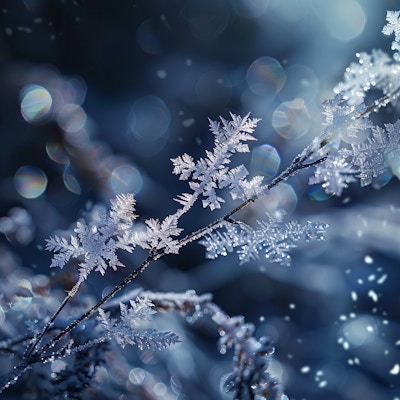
{"points": [[125, 332], [274, 238], [372, 156], [372, 71], [211, 173], [159, 234], [342, 120], [393, 26], [335, 174], [95, 246]]}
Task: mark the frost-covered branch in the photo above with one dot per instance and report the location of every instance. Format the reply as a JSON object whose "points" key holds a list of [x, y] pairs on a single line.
{"points": [[351, 147], [249, 378], [97, 244]]}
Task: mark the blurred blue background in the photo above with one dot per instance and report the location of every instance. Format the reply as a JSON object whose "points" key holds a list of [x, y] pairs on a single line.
{"points": [[97, 96]]}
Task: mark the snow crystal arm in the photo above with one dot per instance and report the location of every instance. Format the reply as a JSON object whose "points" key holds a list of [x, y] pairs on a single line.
{"points": [[125, 331], [211, 173], [274, 238], [369, 149], [393, 27]]}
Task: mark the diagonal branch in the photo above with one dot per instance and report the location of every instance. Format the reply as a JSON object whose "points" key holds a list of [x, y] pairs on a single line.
{"points": [[33, 357], [299, 163]]}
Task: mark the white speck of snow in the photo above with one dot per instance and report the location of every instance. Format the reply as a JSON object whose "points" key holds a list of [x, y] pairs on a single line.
{"points": [[395, 370], [368, 260], [372, 294], [188, 122], [382, 279]]}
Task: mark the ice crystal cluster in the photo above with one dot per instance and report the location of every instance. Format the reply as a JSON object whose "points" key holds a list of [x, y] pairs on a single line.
{"points": [[83, 336], [370, 150], [273, 238]]}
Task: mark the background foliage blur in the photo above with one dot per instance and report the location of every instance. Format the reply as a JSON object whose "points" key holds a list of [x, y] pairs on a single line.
{"points": [[97, 96]]}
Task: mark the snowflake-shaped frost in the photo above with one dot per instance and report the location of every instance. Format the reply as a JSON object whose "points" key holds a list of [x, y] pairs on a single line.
{"points": [[160, 234], [211, 173], [342, 120], [372, 71], [371, 157], [274, 238], [335, 174], [125, 332], [393, 27], [95, 246]]}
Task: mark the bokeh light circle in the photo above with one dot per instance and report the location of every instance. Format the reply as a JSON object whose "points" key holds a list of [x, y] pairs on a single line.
{"points": [[394, 163], [149, 119], [292, 10], [382, 180], [71, 118], [250, 8], [18, 226], [359, 331], [352, 137], [344, 19], [126, 179], [317, 192], [280, 198], [148, 37], [265, 161], [301, 82], [265, 75], [70, 180], [36, 103], [30, 182], [56, 152], [291, 119], [22, 286], [206, 19]]}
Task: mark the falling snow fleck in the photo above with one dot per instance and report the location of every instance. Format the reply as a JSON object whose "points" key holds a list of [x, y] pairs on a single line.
{"points": [[368, 260], [395, 370], [306, 369], [372, 294], [382, 279]]}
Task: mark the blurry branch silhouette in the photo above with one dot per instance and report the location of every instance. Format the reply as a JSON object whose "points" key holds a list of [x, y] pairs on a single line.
{"points": [[339, 158]]}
